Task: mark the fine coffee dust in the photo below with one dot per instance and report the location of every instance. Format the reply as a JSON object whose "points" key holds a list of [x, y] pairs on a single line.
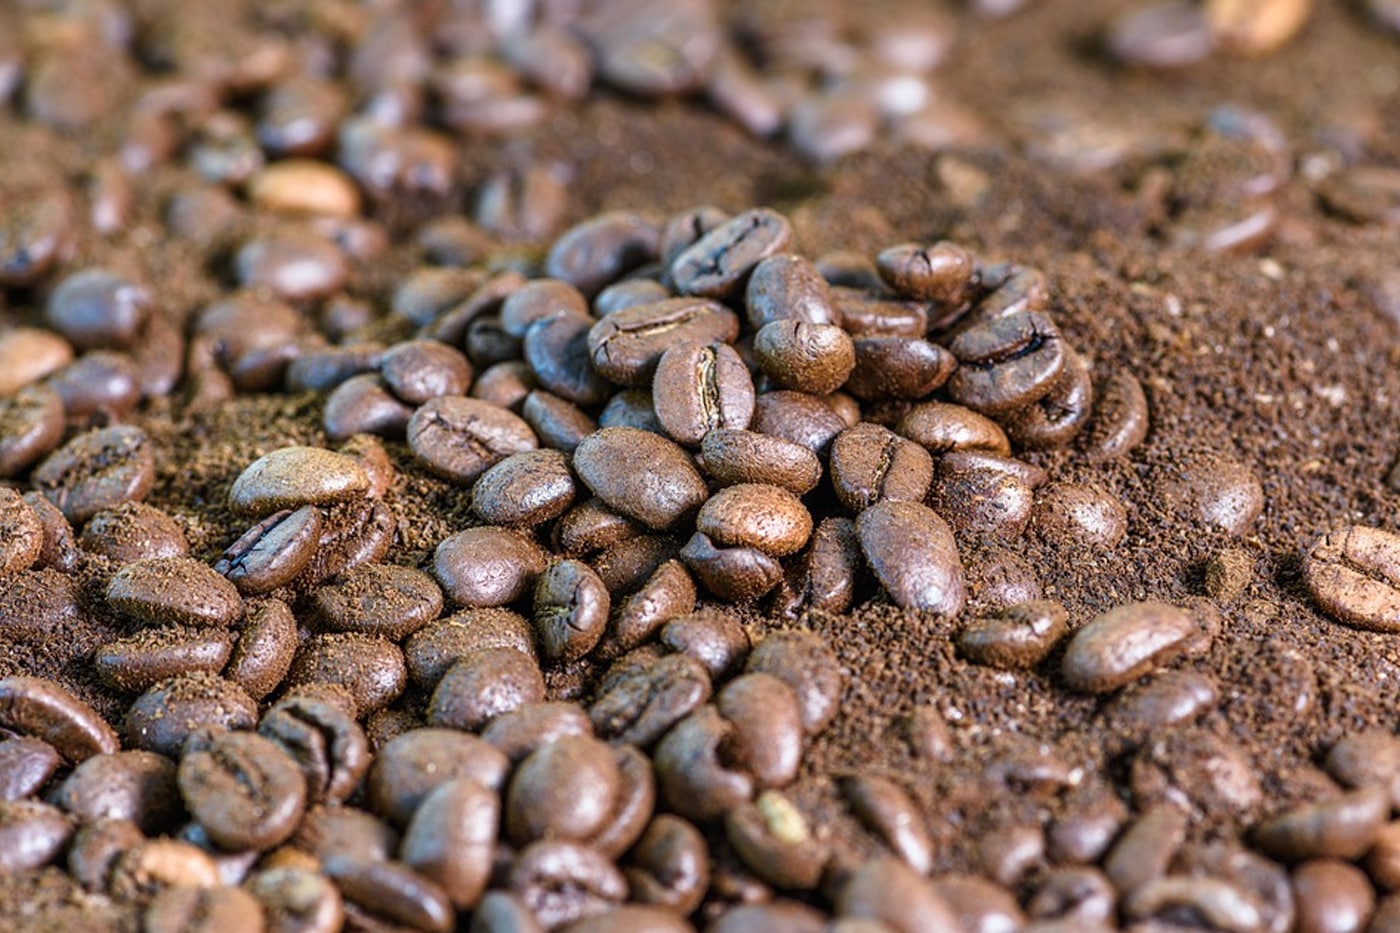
{"points": [[1280, 362]]}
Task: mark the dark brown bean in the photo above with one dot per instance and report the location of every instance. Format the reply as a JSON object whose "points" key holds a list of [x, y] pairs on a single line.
{"points": [[807, 665], [898, 368], [1055, 418], [941, 428], [667, 490], [31, 425], [133, 785], [666, 594], [291, 477], [266, 646], [699, 388], [768, 518], [97, 470], [558, 424], [486, 566], [452, 838], [815, 358], [461, 438], [179, 590], [1006, 364], [482, 685], [437, 646], [941, 273], [297, 900], [393, 891], [525, 489], [691, 771], [324, 740], [788, 287], [627, 346], [601, 250], [26, 764], [33, 706], [912, 551], [244, 790], [571, 611], [1343, 827], [669, 866], [136, 662], [520, 731], [162, 718], [419, 370], [767, 736], [772, 838], [640, 706], [872, 464], [798, 418], [565, 789], [1016, 638], [32, 834], [96, 309], [886, 889], [379, 599], [561, 882], [410, 766], [1353, 574], [736, 456], [372, 669], [719, 263], [1122, 644]]}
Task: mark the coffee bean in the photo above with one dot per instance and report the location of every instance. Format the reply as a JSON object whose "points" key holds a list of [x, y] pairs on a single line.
{"points": [[190, 909], [640, 706], [565, 789], [1017, 638], [38, 232], [866, 313], [31, 425], [525, 489], [871, 464], [682, 230], [1006, 364], [1170, 698], [134, 531], [699, 388], [26, 764], [998, 578], [1371, 756], [659, 494], [21, 534], [95, 849], [328, 746], [636, 803], [804, 662], [537, 300], [58, 551], [1217, 902], [1343, 826], [983, 903], [32, 834], [942, 428], [913, 553], [884, 808], [273, 552], [1122, 644], [1332, 896], [296, 899], [942, 273], [571, 611], [772, 838], [601, 250], [520, 731], [627, 346], [392, 890], [293, 266], [97, 470], [265, 648], [33, 706], [557, 348], [693, 773], [502, 912], [767, 738], [352, 533], [178, 590], [133, 785], [28, 354], [1074, 896], [99, 381], [371, 668], [162, 718], [452, 838], [136, 662], [442, 643], [150, 866], [1143, 851], [1080, 515], [733, 456], [779, 916], [419, 370], [244, 790], [410, 766], [788, 287], [887, 890], [379, 599], [666, 594], [669, 866], [798, 418], [460, 438], [1353, 574], [1054, 419], [825, 577], [323, 370], [815, 358], [291, 477], [505, 385], [898, 368], [768, 518], [715, 639], [98, 309], [735, 574], [631, 408], [486, 566], [558, 424], [1215, 491], [482, 685], [34, 604], [591, 526], [1167, 35], [562, 882]]}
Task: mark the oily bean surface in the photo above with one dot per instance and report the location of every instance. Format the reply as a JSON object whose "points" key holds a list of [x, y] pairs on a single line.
{"points": [[871, 464], [701, 388], [1353, 574], [1120, 645], [738, 456], [912, 551], [627, 346], [178, 590], [768, 518], [525, 489], [641, 475], [41, 708], [98, 470], [719, 263], [244, 790], [1006, 364], [460, 438], [487, 566], [571, 610], [412, 765], [291, 477]]}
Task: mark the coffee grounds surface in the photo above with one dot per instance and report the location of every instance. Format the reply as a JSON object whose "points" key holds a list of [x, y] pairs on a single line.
{"points": [[1278, 362]]}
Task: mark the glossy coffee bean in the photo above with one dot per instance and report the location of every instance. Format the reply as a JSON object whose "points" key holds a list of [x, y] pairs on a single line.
{"points": [[768, 518], [1353, 574], [537, 300], [460, 438], [31, 426], [26, 764], [192, 909], [32, 834], [43, 709], [942, 272], [525, 489], [1055, 418], [266, 646], [379, 599], [1080, 515], [701, 388], [136, 662], [943, 428], [95, 309], [815, 358], [772, 838], [362, 405], [562, 882], [135, 786], [487, 566], [356, 532], [99, 381], [691, 771], [571, 611], [371, 668], [788, 287], [1119, 421], [912, 552], [719, 263], [886, 889], [767, 738], [274, 551], [393, 891], [565, 789], [290, 477], [559, 424], [601, 250], [638, 707], [898, 368], [244, 790], [1017, 638], [886, 809], [798, 418], [482, 685], [1343, 827], [526, 728], [452, 838], [631, 408], [59, 550], [98, 470], [28, 354], [438, 645], [733, 456], [21, 534], [804, 662], [162, 718], [872, 464], [664, 491], [178, 590], [627, 346], [419, 370], [410, 766], [668, 593], [1332, 896], [736, 574], [670, 865], [325, 741], [1006, 364], [1117, 647], [134, 531]]}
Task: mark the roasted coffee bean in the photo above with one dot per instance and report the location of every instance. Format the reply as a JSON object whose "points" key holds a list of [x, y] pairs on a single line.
{"points": [[667, 489], [134, 531], [522, 730], [640, 706], [32, 834], [135, 786], [943, 273], [42, 709], [699, 388], [58, 551], [1170, 698], [979, 902], [559, 424], [38, 232], [1119, 421], [884, 808], [1353, 574], [525, 489], [562, 882], [636, 802], [798, 418], [565, 789], [152, 865], [827, 574], [872, 464], [505, 385], [419, 370], [136, 662], [371, 668], [670, 865], [683, 229], [630, 918], [1080, 515], [35, 604], [410, 766], [451, 839], [942, 428], [631, 408], [1074, 895], [486, 566], [324, 740], [1143, 851], [99, 381], [26, 764], [97, 470], [718, 264], [162, 718], [736, 456], [998, 578], [1218, 903], [767, 723], [293, 266], [502, 912], [538, 300], [666, 594], [362, 405], [460, 438], [1166, 35], [98, 309], [804, 662], [482, 685], [1343, 827], [1055, 418], [96, 848], [29, 354], [815, 358], [628, 293], [1017, 638], [1006, 364], [21, 534], [886, 889], [179, 590], [715, 639], [438, 645], [788, 287], [291, 477], [488, 344], [898, 368], [779, 916], [571, 611], [627, 346], [1122, 644], [266, 646], [692, 771], [768, 518], [379, 599], [352, 533], [244, 790], [1371, 756], [557, 350], [31, 425], [873, 314], [190, 909], [392, 890], [328, 831], [591, 526], [601, 250], [912, 551], [772, 838]]}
